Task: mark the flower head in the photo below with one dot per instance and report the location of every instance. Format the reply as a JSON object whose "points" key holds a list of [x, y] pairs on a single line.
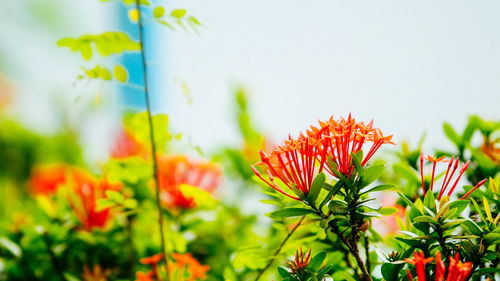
{"points": [[44, 180], [178, 170], [184, 265], [452, 162], [294, 163], [419, 261], [84, 192], [299, 264], [341, 138], [457, 271]]}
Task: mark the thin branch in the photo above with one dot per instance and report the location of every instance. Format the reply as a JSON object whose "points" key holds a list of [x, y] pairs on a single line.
{"points": [[367, 253], [279, 248], [152, 137]]}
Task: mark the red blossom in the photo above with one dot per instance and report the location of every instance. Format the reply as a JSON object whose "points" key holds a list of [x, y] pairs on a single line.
{"points": [[419, 261], [457, 271], [293, 163], [453, 162], [341, 138], [299, 264]]}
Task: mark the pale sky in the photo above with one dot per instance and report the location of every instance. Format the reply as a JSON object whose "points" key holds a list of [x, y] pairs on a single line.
{"points": [[408, 65]]}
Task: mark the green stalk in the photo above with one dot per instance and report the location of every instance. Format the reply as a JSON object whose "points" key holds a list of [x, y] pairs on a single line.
{"points": [[152, 138], [279, 249]]}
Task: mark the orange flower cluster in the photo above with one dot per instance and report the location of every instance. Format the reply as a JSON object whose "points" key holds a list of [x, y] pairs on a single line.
{"points": [[299, 264], [185, 263], [85, 191], [298, 161], [184, 266], [457, 271], [447, 178], [176, 170]]}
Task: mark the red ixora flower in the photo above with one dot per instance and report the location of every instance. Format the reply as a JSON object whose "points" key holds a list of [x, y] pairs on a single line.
{"points": [[299, 264], [84, 192], [45, 179], [297, 161], [176, 170], [457, 271], [293, 163], [340, 138], [447, 178]]}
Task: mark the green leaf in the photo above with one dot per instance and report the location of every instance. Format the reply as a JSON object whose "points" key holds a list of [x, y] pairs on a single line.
{"points": [[337, 207], [389, 272], [371, 214], [158, 12], [10, 246], [451, 134], [356, 160], [103, 204], [284, 273], [425, 219], [202, 197], [178, 13], [120, 73], [387, 211], [333, 191], [405, 199], [469, 129], [372, 203], [115, 196], [316, 262], [381, 187], [459, 205], [290, 212], [430, 201], [371, 174], [492, 238], [316, 187]]}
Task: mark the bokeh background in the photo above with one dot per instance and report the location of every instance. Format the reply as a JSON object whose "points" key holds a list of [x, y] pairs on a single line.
{"points": [[410, 66]]}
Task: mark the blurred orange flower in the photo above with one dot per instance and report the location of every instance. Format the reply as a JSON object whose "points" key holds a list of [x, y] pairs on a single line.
{"points": [[94, 274], [84, 192], [184, 265], [44, 180], [194, 269], [128, 146], [176, 170]]}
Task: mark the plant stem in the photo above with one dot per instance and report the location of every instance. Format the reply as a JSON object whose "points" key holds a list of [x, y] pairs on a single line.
{"points": [[353, 249], [442, 242], [152, 138], [279, 249], [367, 253]]}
